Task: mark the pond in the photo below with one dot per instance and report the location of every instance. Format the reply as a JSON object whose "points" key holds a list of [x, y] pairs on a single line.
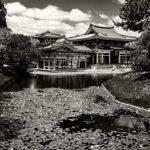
{"points": [[121, 123], [56, 81]]}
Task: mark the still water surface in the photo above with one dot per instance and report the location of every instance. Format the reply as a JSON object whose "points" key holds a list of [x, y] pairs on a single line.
{"points": [[121, 123], [57, 81]]}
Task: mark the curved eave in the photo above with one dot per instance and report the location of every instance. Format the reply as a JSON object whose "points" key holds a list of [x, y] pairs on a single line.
{"points": [[103, 38], [43, 37], [116, 39], [84, 38]]}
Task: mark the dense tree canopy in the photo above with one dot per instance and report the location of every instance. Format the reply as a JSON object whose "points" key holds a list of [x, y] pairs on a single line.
{"points": [[3, 13], [132, 14], [20, 53], [142, 52]]}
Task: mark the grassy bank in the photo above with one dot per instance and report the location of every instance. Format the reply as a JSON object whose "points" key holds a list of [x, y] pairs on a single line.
{"points": [[133, 88]]}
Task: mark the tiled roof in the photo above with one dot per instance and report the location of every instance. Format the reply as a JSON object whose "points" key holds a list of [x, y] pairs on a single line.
{"points": [[59, 45], [69, 45], [49, 34], [83, 48], [83, 37], [103, 33]]}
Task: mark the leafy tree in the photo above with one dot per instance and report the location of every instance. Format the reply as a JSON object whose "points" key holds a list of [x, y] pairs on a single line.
{"points": [[142, 53], [20, 53], [3, 13], [132, 14]]}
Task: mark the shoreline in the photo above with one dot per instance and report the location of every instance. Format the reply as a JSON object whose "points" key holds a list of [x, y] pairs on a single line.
{"points": [[79, 72], [125, 104]]}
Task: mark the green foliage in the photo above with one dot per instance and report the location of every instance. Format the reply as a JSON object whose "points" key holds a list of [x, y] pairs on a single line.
{"points": [[3, 13], [20, 53], [142, 53], [132, 14]]}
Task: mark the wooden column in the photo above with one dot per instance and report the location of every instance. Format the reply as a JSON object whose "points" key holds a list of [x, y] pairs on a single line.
{"points": [[93, 59], [119, 57], [72, 60], [54, 62], [97, 58], [68, 62], [49, 67], [102, 58], [44, 64], [79, 62], [126, 58], [109, 58], [85, 62]]}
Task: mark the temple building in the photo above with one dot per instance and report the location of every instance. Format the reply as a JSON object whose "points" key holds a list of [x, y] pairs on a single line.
{"points": [[48, 38], [98, 46]]}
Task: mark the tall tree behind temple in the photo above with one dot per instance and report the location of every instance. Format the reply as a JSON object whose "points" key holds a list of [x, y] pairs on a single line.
{"points": [[3, 13], [132, 14], [142, 53]]}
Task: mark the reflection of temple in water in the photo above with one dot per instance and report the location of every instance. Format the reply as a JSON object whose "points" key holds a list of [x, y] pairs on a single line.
{"points": [[98, 46]]}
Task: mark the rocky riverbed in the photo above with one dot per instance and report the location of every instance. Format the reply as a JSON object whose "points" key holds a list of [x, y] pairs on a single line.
{"points": [[31, 120]]}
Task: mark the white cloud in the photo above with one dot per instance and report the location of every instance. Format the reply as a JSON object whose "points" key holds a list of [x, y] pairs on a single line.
{"points": [[34, 20], [103, 16], [110, 22], [121, 1], [116, 18], [15, 8], [48, 13], [30, 26], [78, 29]]}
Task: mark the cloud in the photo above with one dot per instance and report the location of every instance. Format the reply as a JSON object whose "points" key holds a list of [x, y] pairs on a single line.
{"points": [[116, 18], [19, 9], [121, 1], [78, 29], [34, 20], [48, 13], [31, 21], [29, 26], [103, 16]]}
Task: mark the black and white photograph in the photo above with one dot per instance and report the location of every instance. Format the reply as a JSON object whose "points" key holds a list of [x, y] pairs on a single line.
{"points": [[74, 74]]}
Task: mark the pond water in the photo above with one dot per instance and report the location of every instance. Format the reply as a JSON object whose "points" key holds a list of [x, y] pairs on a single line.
{"points": [[121, 123], [57, 81]]}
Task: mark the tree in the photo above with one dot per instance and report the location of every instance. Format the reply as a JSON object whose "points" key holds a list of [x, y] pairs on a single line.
{"points": [[3, 13], [142, 53], [20, 53], [132, 14]]}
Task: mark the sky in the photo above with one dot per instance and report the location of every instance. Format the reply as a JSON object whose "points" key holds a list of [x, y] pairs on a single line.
{"points": [[70, 17]]}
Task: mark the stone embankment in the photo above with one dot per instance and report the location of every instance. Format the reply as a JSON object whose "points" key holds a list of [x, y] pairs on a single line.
{"points": [[30, 121]]}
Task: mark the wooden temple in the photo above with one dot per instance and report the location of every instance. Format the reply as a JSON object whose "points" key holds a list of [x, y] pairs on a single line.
{"points": [[98, 46], [48, 38]]}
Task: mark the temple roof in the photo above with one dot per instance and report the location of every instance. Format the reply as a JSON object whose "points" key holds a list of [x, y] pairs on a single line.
{"points": [[49, 34], [67, 44], [82, 48], [103, 33]]}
